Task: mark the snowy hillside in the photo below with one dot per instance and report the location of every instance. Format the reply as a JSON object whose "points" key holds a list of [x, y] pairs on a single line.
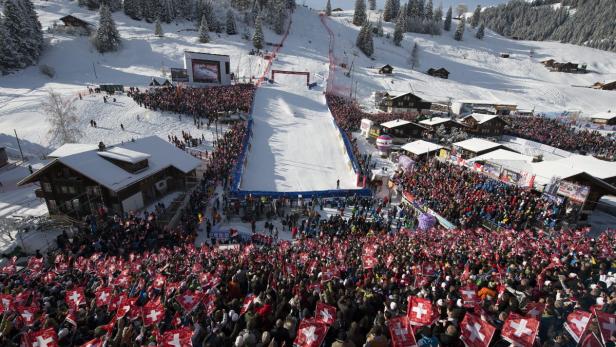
{"points": [[477, 71]]}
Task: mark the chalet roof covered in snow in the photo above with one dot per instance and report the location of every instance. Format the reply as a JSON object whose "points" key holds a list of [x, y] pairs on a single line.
{"points": [[395, 123], [420, 147], [481, 118], [92, 164], [123, 154], [605, 115], [70, 149], [435, 121], [502, 154], [477, 145]]}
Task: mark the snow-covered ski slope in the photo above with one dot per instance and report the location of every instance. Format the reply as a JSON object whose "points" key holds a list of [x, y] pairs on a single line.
{"points": [[295, 145]]}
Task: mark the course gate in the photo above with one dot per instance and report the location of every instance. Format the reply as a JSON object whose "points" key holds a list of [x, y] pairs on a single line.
{"points": [[274, 72]]}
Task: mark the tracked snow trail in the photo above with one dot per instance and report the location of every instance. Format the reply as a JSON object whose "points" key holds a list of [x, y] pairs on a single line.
{"points": [[295, 144]]}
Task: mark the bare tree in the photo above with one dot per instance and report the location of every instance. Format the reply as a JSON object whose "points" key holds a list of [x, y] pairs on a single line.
{"points": [[64, 124], [461, 9]]}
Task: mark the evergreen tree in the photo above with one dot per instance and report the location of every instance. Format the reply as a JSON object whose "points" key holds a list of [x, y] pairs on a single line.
{"points": [[131, 9], [372, 5], [429, 11], [258, 39], [114, 5], [107, 38], [399, 30], [476, 17], [31, 34], [447, 24], [279, 8], [438, 14], [364, 39], [158, 29], [420, 9], [459, 34], [480, 32], [231, 26], [395, 8], [414, 58], [9, 55], [328, 8], [204, 29], [388, 11], [360, 16]]}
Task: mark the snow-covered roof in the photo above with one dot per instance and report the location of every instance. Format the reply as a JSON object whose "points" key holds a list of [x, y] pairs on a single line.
{"points": [[481, 118], [70, 149], [434, 121], [599, 168], [476, 144], [123, 154], [395, 123], [502, 154], [606, 116], [420, 147], [161, 155], [486, 102]]}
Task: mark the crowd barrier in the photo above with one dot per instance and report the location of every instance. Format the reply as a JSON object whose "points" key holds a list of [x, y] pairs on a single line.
{"points": [[332, 193]]}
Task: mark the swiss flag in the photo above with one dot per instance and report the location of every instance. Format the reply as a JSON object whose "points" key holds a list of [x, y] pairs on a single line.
{"points": [[159, 281], [590, 340], [420, 311], [6, 303], [35, 264], [103, 296], [535, 309], [576, 324], [177, 338], [97, 342], [520, 331], [369, 261], [27, 314], [75, 298], [247, 302], [475, 331], [153, 313], [607, 325], [401, 332], [311, 333], [189, 300], [44, 338], [325, 313], [469, 295]]}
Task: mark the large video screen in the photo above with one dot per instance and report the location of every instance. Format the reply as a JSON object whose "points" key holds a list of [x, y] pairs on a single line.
{"points": [[206, 71]]}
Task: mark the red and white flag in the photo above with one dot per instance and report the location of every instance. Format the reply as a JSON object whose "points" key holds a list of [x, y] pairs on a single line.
{"points": [[75, 298], [325, 313], [44, 338], [520, 331], [247, 302], [607, 325], [189, 300], [311, 333], [153, 313], [420, 311], [475, 331], [159, 281], [177, 338], [590, 340], [535, 309], [369, 261], [103, 296], [97, 342], [401, 332], [26, 314], [576, 324], [7, 303], [469, 296]]}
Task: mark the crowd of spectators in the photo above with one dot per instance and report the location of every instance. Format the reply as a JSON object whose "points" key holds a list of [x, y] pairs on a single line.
{"points": [[467, 198], [253, 295], [555, 133], [196, 102]]}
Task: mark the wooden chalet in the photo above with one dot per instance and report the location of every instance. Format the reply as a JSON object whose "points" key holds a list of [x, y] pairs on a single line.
{"points": [[440, 73], [386, 70], [605, 86], [402, 130], [608, 118], [484, 124], [433, 123], [81, 179], [72, 21], [568, 67], [408, 102]]}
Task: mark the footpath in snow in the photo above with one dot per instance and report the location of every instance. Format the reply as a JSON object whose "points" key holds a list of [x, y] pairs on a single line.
{"points": [[295, 145]]}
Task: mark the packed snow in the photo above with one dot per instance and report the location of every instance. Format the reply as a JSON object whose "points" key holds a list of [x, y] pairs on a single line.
{"points": [[295, 144]]}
